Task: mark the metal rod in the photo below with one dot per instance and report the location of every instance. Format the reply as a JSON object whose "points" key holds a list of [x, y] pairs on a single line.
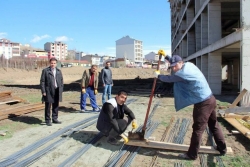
{"points": [[150, 99]]}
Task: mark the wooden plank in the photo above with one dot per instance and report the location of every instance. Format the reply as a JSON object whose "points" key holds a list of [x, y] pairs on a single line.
{"points": [[238, 99], [5, 93], [241, 128], [174, 146], [10, 101], [238, 110], [20, 109], [232, 115], [10, 115]]}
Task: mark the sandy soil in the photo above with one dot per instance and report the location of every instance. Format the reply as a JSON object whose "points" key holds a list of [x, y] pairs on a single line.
{"points": [[100, 152]]}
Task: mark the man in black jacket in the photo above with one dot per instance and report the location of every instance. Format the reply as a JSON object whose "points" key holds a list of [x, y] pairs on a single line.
{"points": [[51, 83], [112, 121]]}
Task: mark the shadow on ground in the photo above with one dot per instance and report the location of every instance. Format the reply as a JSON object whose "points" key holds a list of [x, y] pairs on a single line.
{"points": [[26, 119]]}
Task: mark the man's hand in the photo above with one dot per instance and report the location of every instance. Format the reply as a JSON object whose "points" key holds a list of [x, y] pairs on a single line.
{"points": [[103, 85], [125, 138], [156, 74], [44, 94], [83, 90], [96, 92], [134, 124]]}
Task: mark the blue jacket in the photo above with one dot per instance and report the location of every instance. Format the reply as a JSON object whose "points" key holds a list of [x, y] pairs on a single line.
{"points": [[190, 86]]}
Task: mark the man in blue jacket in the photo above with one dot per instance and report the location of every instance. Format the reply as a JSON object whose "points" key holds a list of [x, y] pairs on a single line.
{"points": [[191, 87]]}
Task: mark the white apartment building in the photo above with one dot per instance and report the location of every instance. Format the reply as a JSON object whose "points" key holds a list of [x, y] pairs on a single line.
{"points": [[56, 49], [130, 48], [9, 49], [214, 34]]}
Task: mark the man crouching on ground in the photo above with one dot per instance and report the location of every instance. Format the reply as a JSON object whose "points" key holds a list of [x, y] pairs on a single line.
{"points": [[112, 121]]}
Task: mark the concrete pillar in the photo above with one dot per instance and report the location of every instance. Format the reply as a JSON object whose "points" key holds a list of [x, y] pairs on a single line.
{"points": [[230, 72], [197, 6], [204, 65], [198, 62], [191, 42], [214, 21], [236, 72], [214, 72], [184, 48], [190, 15], [198, 34], [204, 30], [245, 45]]}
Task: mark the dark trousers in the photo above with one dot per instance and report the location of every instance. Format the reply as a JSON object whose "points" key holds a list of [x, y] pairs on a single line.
{"points": [[123, 124], [55, 107], [204, 114]]}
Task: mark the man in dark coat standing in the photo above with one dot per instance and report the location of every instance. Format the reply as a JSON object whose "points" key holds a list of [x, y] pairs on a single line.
{"points": [[51, 87]]}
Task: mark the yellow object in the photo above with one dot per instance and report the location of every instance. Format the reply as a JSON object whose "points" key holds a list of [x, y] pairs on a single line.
{"points": [[96, 92], [83, 91], [157, 73], [161, 52], [246, 124], [134, 124], [125, 138]]}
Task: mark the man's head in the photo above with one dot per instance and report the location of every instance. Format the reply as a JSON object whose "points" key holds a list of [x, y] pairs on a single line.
{"points": [[121, 97], [93, 68], [107, 64], [53, 62], [176, 63]]}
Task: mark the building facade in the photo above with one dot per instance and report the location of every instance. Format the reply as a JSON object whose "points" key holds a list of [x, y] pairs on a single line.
{"points": [[9, 49], [214, 34], [130, 48], [56, 49]]}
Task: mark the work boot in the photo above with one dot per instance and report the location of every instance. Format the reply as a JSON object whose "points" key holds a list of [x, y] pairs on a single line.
{"points": [[185, 156], [56, 122], [113, 141], [48, 123]]}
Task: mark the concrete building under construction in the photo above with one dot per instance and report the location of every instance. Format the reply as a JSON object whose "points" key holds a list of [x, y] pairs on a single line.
{"points": [[214, 35]]}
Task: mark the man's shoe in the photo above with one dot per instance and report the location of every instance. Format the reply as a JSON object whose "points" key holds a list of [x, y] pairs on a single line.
{"points": [[48, 123], [222, 153], [184, 156], [96, 109], [82, 111], [56, 122], [113, 141], [118, 137]]}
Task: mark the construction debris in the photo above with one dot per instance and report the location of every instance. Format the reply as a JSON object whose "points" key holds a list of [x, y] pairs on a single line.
{"points": [[8, 111], [6, 97], [238, 117]]}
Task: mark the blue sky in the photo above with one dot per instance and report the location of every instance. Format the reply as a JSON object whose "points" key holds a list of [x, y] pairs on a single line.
{"points": [[91, 26]]}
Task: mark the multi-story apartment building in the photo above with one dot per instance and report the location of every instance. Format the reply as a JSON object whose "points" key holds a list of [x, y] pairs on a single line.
{"points": [[214, 34], [56, 49], [130, 48], [9, 49]]}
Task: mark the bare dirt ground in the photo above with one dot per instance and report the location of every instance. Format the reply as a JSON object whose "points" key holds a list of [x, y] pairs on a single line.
{"points": [[27, 129]]}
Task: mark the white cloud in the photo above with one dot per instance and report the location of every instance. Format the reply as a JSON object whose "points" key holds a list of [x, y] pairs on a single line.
{"points": [[3, 34], [63, 39], [39, 38]]}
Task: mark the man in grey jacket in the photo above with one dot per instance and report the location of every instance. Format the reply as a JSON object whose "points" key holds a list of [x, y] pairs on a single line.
{"points": [[107, 82]]}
